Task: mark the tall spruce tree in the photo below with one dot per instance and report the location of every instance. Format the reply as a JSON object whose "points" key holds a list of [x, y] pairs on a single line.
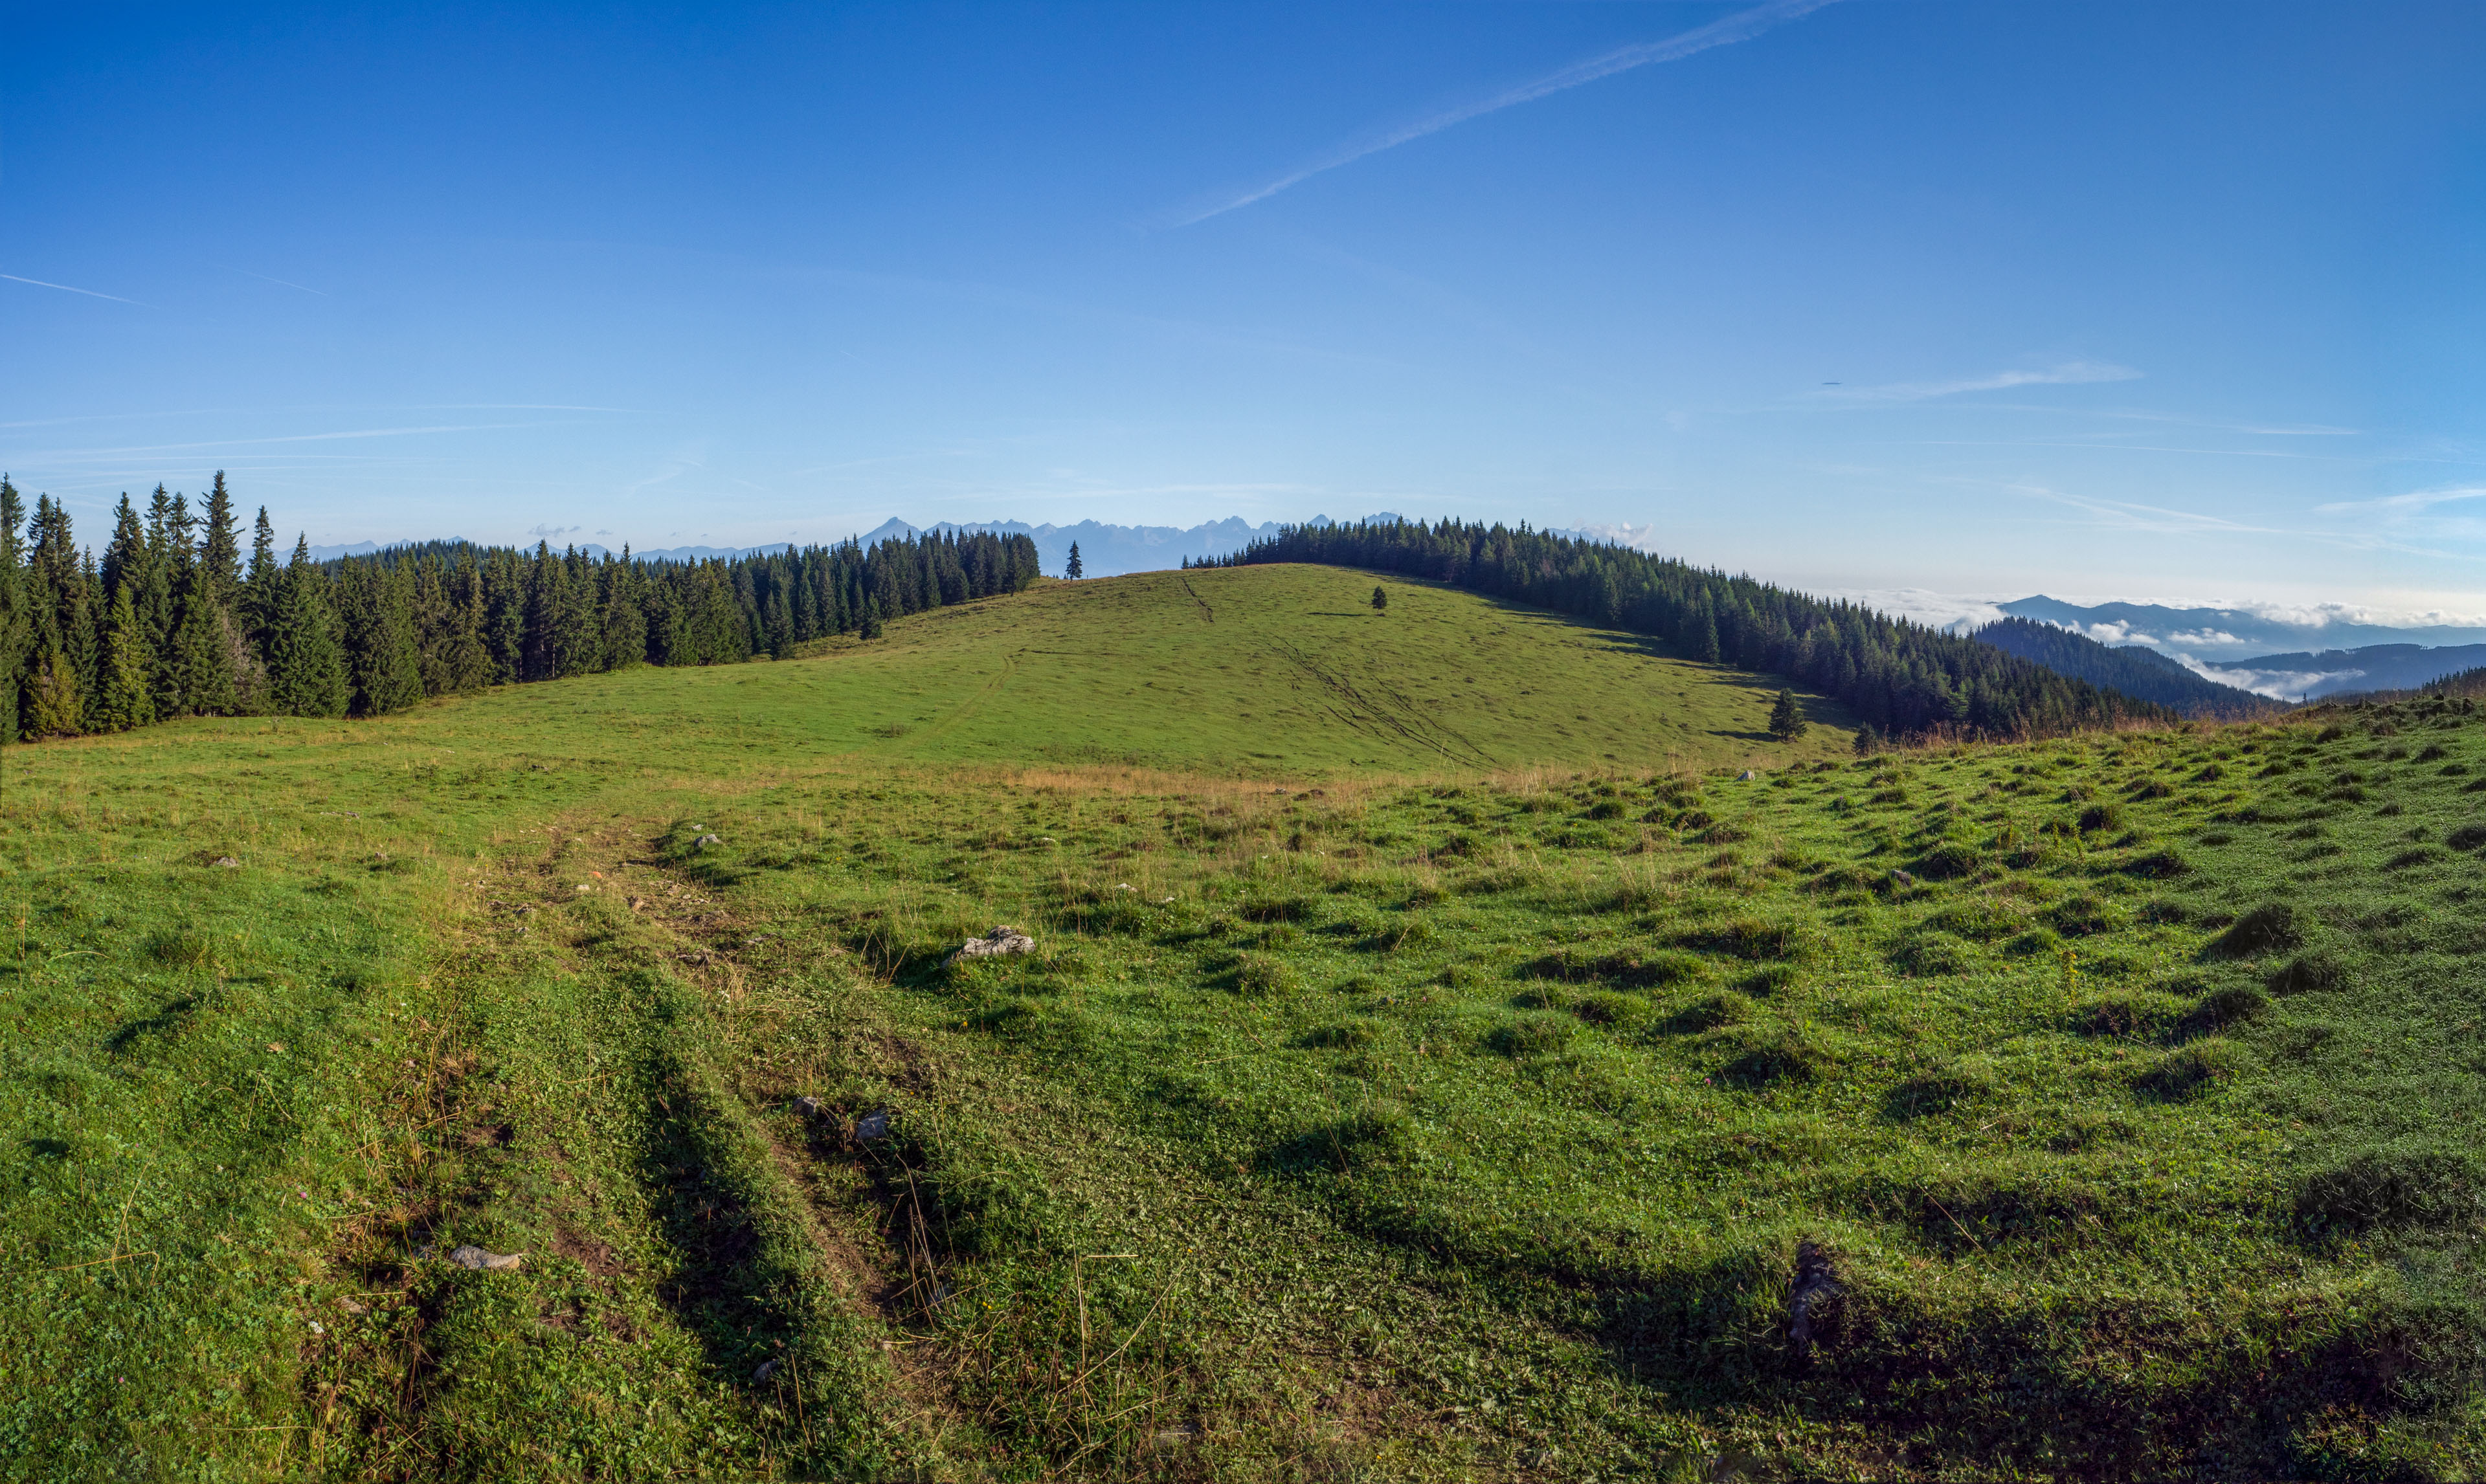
{"points": [[16, 617], [220, 547], [128, 695], [262, 588], [374, 607], [306, 669]]}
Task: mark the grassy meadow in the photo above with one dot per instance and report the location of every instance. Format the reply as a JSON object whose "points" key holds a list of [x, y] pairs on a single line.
{"points": [[1434, 1064]]}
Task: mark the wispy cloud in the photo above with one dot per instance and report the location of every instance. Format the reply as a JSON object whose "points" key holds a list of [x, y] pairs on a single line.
{"points": [[2416, 502], [1741, 26], [252, 443], [2068, 373], [281, 283], [2156, 519], [70, 288]]}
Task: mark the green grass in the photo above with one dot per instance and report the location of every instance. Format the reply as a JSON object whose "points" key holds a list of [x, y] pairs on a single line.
{"points": [[1364, 1112]]}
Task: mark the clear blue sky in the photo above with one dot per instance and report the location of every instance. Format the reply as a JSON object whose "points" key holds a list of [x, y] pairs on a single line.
{"points": [[2150, 301]]}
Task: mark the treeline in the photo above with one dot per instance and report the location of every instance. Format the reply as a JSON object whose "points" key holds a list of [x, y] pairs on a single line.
{"points": [[2131, 670], [1903, 680], [170, 621]]}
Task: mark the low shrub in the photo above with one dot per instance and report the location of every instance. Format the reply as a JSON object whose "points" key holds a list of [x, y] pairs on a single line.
{"points": [[2308, 974], [1604, 1007], [1711, 1012], [2099, 818], [2395, 1184], [2232, 1005], [1931, 954], [1949, 860], [1343, 1036], [1759, 1058], [1259, 975], [1942, 1088], [2189, 1070], [2126, 1015], [1531, 1036], [2269, 928]]}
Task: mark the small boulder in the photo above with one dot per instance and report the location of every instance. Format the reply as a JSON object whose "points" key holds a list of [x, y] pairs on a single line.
{"points": [[708, 842], [1903, 878], [226, 862], [872, 1125], [480, 1260], [808, 1106], [1748, 775], [1000, 940], [767, 1368]]}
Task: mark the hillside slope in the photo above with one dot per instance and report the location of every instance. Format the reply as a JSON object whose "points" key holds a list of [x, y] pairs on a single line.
{"points": [[1261, 670], [2108, 1103]]}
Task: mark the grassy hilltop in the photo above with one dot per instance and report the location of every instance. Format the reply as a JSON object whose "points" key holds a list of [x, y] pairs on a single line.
{"points": [[1433, 1065]]}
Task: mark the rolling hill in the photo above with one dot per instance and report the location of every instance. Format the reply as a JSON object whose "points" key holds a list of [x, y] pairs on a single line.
{"points": [[1434, 1062]]}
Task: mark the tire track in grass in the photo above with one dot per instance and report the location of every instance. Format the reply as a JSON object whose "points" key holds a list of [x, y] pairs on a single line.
{"points": [[1386, 713]]}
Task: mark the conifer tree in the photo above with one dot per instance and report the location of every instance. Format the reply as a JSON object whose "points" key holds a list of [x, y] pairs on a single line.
{"points": [[16, 619], [201, 659], [306, 670], [262, 586], [53, 705], [1074, 569], [220, 548], [1704, 636], [382, 656], [870, 629], [626, 621], [128, 699], [1787, 718], [1380, 599]]}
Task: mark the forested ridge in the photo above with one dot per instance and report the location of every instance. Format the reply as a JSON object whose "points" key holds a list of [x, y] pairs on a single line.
{"points": [[170, 621], [1902, 679], [2132, 669]]}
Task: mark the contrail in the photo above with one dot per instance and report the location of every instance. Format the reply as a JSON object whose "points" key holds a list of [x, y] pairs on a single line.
{"points": [[1741, 26], [66, 288]]}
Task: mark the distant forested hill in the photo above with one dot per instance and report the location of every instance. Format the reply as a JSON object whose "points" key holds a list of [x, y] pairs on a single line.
{"points": [[2146, 674], [1904, 679], [170, 622]]}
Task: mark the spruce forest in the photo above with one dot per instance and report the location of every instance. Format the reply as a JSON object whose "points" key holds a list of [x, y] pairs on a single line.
{"points": [[169, 623]]}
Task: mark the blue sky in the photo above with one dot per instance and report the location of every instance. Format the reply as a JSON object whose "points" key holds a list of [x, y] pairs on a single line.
{"points": [[2152, 301]]}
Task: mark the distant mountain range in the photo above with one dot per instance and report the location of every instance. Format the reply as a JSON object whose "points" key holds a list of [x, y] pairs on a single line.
{"points": [[1104, 550], [2141, 674], [2219, 634]]}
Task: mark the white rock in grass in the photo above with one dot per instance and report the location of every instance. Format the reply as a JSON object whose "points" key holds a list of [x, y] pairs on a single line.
{"points": [[707, 841], [480, 1260], [1000, 940]]}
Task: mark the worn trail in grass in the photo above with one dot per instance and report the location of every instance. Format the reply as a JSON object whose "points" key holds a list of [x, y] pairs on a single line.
{"points": [[1344, 1124]]}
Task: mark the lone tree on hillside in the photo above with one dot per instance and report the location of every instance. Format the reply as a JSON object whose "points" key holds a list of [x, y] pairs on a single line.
{"points": [[1787, 718], [1865, 741], [1072, 568], [1380, 601]]}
